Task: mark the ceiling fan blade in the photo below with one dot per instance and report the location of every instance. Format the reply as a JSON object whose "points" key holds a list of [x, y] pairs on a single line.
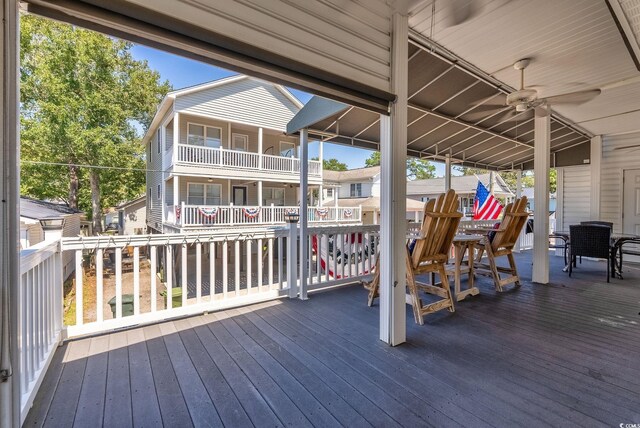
{"points": [[505, 117], [578, 97], [631, 146]]}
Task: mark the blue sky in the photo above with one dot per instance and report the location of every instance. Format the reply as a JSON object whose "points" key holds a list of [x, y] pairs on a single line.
{"points": [[182, 72]]}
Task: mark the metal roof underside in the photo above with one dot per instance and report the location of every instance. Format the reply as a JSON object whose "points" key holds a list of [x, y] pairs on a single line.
{"points": [[451, 111]]}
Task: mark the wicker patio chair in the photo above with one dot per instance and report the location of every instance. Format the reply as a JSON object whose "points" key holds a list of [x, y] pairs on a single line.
{"points": [[590, 241], [500, 242]]}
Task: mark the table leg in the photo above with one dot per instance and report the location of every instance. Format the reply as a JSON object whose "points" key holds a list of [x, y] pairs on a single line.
{"points": [[459, 255], [470, 255]]}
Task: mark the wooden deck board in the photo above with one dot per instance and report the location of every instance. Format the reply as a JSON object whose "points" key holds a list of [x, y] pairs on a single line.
{"points": [[561, 354]]}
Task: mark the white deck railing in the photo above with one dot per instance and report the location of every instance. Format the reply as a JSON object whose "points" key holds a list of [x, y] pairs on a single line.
{"points": [[39, 314], [228, 215], [204, 272], [208, 156]]}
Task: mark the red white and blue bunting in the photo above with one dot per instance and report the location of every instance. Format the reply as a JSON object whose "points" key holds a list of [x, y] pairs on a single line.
{"points": [[178, 211], [209, 212], [348, 213], [322, 212], [251, 212]]}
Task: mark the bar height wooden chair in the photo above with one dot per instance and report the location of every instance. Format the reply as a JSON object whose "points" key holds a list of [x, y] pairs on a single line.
{"points": [[500, 242], [431, 253]]}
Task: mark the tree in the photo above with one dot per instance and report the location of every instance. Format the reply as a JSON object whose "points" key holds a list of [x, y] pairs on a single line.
{"points": [[511, 179], [417, 169], [84, 101], [332, 164]]}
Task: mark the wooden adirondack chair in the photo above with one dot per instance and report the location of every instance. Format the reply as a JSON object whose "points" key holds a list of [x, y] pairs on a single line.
{"points": [[500, 243], [431, 253]]}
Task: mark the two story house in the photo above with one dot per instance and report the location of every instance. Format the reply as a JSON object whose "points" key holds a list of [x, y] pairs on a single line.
{"points": [[218, 156]]}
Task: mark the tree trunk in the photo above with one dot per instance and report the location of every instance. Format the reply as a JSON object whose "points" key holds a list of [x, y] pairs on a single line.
{"points": [[74, 186], [96, 221]]}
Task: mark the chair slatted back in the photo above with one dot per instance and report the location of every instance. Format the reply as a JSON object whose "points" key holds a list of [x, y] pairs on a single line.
{"points": [[439, 226], [514, 219]]}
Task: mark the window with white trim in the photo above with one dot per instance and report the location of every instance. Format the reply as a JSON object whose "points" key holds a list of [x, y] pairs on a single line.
{"points": [[273, 195], [205, 136], [356, 190], [240, 142], [204, 194], [330, 193], [158, 139]]}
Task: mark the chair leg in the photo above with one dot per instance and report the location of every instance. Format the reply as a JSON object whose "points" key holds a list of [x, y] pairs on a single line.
{"points": [[416, 303], [608, 273], [445, 286], [570, 266], [514, 269], [494, 268]]}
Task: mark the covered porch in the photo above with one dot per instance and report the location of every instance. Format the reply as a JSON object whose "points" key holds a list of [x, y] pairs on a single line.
{"points": [[558, 354]]}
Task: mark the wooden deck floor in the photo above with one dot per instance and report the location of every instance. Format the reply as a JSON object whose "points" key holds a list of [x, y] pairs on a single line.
{"points": [[567, 354]]}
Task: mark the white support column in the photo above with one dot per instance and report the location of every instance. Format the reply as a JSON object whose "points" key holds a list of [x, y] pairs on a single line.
{"points": [[9, 219], [260, 199], [596, 164], [518, 194], [541, 154], [304, 191], [447, 172], [393, 145], [176, 191], [321, 159], [176, 137], [336, 194], [260, 131]]}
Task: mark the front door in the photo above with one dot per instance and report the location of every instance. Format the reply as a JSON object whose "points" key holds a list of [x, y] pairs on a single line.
{"points": [[631, 211], [239, 195]]}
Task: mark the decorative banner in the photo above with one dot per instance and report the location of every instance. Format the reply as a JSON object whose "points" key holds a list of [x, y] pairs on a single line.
{"points": [[348, 212], [178, 211], [351, 254], [251, 212], [322, 212], [290, 211], [209, 212]]}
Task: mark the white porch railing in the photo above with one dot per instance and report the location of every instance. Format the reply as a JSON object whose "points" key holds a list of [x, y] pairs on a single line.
{"points": [[39, 314], [225, 215], [208, 156], [130, 275]]}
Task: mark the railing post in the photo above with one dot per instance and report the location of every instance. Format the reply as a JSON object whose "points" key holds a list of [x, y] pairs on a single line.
{"points": [[231, 213], [292, 262]]}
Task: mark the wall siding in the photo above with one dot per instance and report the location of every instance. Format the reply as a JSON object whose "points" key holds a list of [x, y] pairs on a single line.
{"points": [[154, 177], [614, 162], [135, 217], [576, 196], [252, 191], [246, 101]]}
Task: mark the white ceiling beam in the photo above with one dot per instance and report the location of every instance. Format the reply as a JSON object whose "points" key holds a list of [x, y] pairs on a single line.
{"points": [[338, 119], [426, 85]]}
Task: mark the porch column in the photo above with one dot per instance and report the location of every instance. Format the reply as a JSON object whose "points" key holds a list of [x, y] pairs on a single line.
{"points": [[336, 192], [518, 194], [176, 137], [304, 190], [393, 147], [176, 191], [260, 149], [321, 158], [541, 154], [447, 172], [9, 219], [260, 200], [596, 162]]}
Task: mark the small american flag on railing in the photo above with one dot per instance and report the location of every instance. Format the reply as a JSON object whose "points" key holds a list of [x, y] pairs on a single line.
{"points": [[485, 205]]}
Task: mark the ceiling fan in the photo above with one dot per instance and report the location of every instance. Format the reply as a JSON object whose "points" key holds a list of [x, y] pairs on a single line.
{"points": [[527, 99]]}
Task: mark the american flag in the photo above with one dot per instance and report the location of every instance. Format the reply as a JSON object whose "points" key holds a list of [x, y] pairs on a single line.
{"points": [[485, 206]]}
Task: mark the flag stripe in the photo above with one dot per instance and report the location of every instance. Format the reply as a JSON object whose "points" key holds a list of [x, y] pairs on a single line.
{"points": [[485, 205]]}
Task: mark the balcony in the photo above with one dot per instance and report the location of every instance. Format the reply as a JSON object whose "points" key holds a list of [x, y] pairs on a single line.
{"points": [[233, 163], [553, 355], [196, 216]]}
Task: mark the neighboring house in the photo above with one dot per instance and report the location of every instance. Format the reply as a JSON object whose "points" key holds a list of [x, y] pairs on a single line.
{"points": [[217, 155], [47, 221], [132, 216], [465, 187], [528, 192], [360, 188]]}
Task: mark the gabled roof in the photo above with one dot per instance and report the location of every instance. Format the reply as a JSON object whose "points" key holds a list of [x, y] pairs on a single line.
{"points": [[37, 209], [168, 100], [131, 202], [461, 184], [350, 175]]}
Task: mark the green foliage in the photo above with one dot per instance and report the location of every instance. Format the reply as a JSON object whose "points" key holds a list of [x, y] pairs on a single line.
{"points": [[417, 169], [84, 100], [332, 164], [511, 179]]}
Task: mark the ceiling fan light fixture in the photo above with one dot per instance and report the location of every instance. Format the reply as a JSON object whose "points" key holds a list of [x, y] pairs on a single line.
{"points": [[521, 107]]}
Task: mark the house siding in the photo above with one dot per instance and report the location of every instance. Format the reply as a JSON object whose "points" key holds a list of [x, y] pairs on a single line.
{"points": [[614, 162], [246, 101], [574, 199], [290, 194], [135, 218], [154, 177]]}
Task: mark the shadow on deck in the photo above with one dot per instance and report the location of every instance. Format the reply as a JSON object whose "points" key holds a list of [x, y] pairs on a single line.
{"points": [[562, 354]]}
